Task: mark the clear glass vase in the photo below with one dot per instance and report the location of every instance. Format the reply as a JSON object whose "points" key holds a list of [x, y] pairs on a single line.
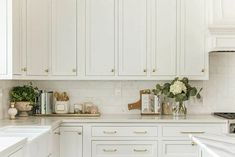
{"points": [[179, 109]]}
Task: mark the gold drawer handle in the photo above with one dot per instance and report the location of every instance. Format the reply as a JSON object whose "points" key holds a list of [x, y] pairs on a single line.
{"points": [[57, 133], [140, 132], [109, 150], [192, 132], [109, 132], [140, 150]]}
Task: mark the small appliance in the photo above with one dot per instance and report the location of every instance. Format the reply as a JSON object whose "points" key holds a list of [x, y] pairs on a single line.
{"points": [[230, 116]]}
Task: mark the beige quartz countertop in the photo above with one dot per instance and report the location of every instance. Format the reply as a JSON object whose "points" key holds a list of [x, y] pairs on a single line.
{"points": [[56, 121]]}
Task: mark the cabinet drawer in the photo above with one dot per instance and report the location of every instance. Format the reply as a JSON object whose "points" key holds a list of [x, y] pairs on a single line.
{"points": [[124, 148], [124, 131], [185, 130], [180, 148]]}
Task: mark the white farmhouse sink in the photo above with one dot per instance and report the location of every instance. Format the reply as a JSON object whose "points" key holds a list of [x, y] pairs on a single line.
{"points": [[30, 132], [38, 138]]}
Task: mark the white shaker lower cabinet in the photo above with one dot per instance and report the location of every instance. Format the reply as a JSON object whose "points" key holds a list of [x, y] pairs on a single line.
{"points": [[124, 148], [64, 37], [175, 138], [71, 142], [55, 150], [179, 148], [193, 52], [101, 37], [133, 37]]}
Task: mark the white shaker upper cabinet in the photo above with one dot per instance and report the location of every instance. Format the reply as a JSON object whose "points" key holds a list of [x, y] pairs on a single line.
{"points": [[164, 55], [64, 37], [193, 58], [3, 37], [100, 37], [223, 12], [133, 23], [38, 37]]}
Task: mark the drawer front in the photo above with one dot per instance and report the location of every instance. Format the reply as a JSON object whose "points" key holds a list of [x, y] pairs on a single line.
{"points": [[124, 131], [181, 131], [124, 148], [180, 149]]}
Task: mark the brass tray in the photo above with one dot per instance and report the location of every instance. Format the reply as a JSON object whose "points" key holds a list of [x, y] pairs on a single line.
{"points": [[68, 115]]}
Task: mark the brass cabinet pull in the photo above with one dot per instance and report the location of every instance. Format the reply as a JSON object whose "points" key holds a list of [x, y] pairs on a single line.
{"points": [[79, 133], [47, 70], [109, 132], [57, 133], [140, 150], [203, 70], [109, 150], [145, 70], [112, 70], [140, 132], [154, 70], [192, 132], [24, 69]]}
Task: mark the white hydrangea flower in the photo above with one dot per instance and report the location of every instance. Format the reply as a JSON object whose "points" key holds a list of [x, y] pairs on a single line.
{"points": [[178, 87]]}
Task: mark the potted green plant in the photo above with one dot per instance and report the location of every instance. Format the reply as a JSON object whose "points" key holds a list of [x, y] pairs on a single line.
{"points": [[24, 98], [180, 91]]}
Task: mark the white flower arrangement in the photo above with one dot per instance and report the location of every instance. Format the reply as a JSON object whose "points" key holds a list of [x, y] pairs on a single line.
{"points": [[178, 87]]}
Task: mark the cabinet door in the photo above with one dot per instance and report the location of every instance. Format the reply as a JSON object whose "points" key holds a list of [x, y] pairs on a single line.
{"points": [[133, 19], [164, 55], [16, 37], [56, 143], [100, 37], [64, 37], [224, 12], [3, 37], [180, 149], [192, 38], [38, 36], [70, 142]]}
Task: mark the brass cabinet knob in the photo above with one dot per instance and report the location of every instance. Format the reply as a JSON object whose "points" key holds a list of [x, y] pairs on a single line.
{"points": [[112, 70], [203, 70], [74, 70], [154, 70], [47, 70], [193, 143], [24, 69], [145, 70]]}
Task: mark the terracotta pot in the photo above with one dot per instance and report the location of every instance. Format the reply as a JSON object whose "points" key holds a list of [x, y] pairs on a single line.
{"points": [[23, 107]]}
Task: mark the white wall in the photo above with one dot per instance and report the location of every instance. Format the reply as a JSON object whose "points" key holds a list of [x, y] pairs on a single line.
{"points": [[113, 96]]}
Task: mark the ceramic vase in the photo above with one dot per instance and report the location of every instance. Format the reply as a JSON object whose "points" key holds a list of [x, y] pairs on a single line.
{"points": [[12, 111]]}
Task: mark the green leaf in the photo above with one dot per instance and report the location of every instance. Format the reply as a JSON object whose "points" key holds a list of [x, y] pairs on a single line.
{"points": [[185, 80], [193, 92], [180, 97]]}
